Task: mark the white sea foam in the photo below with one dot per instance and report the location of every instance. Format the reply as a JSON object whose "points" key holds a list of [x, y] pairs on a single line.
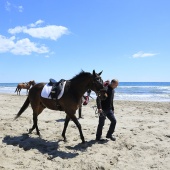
{"points": [[11, 90], [125, 91], [143, 97]]}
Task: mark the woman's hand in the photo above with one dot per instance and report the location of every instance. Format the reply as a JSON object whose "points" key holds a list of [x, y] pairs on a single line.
{"points": [[100, 110]]}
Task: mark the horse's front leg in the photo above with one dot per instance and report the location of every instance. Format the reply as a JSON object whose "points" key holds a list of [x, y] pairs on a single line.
{"points": [[80, 108], [65, 127], [80, 111], [75, 120]]}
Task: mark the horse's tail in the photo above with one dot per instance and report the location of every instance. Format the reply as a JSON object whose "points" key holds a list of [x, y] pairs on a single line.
{"points": [[23, 108]]}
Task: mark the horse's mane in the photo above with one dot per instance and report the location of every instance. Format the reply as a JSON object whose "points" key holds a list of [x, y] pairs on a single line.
{"points": [[81, 75]]}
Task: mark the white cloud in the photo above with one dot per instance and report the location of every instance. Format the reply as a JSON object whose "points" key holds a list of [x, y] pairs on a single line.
{"points": [[17, 30], [20, 47], [52, 32], [6, 44], [36, 23], [23, 46], [142, 54], [26, 47], [20, 8], [9, 6]]}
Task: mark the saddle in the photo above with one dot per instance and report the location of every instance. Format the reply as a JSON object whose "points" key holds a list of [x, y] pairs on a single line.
{"points": [[56, 88]]}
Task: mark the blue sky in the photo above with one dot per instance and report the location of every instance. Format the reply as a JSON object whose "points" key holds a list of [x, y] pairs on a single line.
{"points": [[128, 39]]}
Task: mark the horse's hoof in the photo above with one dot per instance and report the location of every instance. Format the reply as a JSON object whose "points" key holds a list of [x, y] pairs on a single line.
{"points": [[40, 136], [84, 144], [29, 131], [64, 139]]}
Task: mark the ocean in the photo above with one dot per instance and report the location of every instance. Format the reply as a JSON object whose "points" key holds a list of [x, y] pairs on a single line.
{"points": [[133, 91]]}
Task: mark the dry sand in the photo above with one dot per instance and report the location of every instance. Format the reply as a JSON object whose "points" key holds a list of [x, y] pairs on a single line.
{"points": [[142, 132]]}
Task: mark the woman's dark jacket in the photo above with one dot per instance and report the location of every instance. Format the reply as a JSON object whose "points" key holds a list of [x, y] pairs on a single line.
{"points": [[108, 103]]}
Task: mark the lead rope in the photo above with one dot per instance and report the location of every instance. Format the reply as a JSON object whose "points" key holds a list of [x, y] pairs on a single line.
{"points": [[99, 114]]}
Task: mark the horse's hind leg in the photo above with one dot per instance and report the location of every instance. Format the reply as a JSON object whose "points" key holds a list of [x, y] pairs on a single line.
{"points": [[65, 127], [35, 120], [19, 91], [16, 90]]}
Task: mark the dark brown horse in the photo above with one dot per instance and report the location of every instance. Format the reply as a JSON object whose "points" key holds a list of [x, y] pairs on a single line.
{"points": [[69, 102], [24, 86]]}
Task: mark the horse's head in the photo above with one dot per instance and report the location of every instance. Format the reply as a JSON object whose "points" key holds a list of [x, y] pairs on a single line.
{"points": [[32, 82], [97, 85]]}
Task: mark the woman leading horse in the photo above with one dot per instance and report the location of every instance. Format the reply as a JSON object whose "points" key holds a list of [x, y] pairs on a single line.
{"points": [[69, 102]]}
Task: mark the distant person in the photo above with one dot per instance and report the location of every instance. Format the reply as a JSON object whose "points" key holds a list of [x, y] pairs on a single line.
{"points": [[106, 109], [84, 101], [86, 97]]}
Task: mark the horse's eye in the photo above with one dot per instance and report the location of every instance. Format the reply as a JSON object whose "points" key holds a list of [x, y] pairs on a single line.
{"points": [[97, 78]]}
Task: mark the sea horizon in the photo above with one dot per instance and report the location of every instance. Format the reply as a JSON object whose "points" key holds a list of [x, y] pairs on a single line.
{"points": [[132, 91]]}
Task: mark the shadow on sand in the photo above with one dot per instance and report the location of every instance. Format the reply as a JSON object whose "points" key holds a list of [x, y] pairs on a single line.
{"points": [[45, 147], [83, 147], [60, 120]]}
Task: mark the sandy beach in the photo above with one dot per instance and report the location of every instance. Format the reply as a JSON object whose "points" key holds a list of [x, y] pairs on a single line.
{"points": [[142, 138]]}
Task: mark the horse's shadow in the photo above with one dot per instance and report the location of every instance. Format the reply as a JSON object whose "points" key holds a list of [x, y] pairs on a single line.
{"points": [[60, 120], [63, 120], [83, 147], [45, 147]]}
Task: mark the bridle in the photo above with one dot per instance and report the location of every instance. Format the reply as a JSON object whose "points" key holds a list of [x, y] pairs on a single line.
{"points": [[96, 81]]}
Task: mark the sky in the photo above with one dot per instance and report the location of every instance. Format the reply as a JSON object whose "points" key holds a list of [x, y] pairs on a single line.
{"points": [[128, 39]]}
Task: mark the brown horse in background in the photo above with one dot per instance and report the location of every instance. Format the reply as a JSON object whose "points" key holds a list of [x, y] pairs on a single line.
{"points": [[24, 86], [69, 102]]}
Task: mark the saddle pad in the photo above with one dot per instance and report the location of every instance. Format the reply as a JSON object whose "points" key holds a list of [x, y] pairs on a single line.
{"points": [[47, 90]]}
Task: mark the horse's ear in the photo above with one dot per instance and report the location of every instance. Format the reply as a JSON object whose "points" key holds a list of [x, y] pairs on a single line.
{"points": [[94, 73], [100, 73]]}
